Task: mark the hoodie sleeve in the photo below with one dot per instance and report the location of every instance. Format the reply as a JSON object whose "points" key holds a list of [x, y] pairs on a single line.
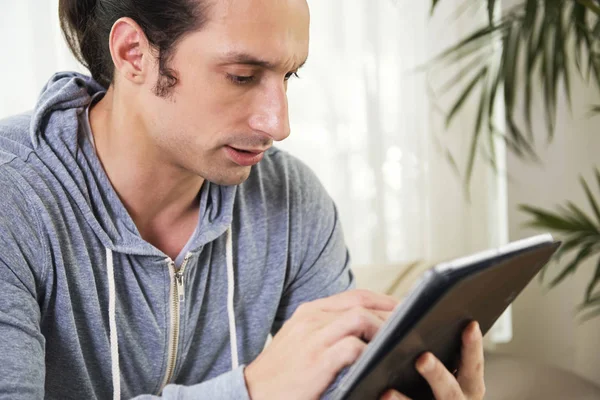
{"points": [[228, 386], [22, 365], [320, 261]]}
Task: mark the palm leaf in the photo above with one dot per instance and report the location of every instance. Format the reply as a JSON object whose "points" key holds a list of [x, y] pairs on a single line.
{"points": [[581, 256], [491, 8], [593, 283], [581, 235], [591, 315], [597, 173], [571, 243], [476, 132], [510, 56], [540, 31], [525, 147], [566, 246], [463, 72], [477, 41], [465, 95], [594, 110], [452, 161], [550, 220], [590, 198], [547, 71], [579, 19], [587, 3], [582, 218], [590, 308]]}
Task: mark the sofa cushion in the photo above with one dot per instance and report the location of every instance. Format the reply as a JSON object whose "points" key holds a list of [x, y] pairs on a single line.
{"points": [[509, 378]]}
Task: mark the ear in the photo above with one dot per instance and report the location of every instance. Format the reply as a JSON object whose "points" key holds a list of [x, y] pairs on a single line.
{"points": [[130, 50]]}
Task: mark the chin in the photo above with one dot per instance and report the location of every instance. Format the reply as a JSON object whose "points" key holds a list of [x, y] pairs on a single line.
{"points": [[230, 178]]}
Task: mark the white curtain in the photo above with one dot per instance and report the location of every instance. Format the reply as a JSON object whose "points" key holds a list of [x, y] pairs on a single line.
{"points": [[361, 119]]}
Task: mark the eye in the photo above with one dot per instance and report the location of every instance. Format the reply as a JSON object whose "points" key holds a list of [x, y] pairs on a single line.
{"points": [[290, 74], [240, 79]]}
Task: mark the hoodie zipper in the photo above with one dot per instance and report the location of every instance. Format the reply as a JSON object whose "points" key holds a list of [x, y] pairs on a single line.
{"points": [[177, 298]]}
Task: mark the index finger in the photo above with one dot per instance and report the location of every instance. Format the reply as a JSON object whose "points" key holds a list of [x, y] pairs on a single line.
{"points": [[470, 374], [356, 298]]}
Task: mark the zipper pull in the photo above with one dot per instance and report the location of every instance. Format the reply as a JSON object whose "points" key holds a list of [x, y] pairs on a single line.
{"points": [[180, 287]]}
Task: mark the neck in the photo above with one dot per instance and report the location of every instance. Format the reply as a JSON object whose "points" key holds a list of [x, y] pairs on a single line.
{"points": [[155, 191]]}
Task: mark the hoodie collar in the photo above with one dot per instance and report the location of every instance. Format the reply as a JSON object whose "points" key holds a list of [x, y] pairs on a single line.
{"points": [[58, 136]]}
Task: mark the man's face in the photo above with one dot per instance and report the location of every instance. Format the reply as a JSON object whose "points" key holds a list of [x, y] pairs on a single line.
{"points": [[230, 103]]}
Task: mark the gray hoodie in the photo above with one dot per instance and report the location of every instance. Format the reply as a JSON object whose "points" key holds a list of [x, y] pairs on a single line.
{"points": [[90, 310]]}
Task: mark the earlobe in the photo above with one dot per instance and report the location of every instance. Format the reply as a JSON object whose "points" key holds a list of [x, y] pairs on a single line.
{"points": [[129, 50]]}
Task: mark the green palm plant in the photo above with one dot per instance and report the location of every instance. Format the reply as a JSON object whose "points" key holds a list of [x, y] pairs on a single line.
{"points": [[535, 42], [581, 237]]}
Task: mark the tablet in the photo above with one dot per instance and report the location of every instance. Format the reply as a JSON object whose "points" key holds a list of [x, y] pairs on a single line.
{"points": [[437, 310]]}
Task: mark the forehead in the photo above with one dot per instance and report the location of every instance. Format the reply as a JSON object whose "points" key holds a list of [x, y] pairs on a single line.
{"points": [[274, 30]]}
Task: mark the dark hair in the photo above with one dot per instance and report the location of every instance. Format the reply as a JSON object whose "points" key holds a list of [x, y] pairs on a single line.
{"points": [[86, 25]]}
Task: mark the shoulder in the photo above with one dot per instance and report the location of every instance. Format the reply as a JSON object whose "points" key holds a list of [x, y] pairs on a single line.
{"points": [[17, 211], [285, 192], [15, 140], [282, 176], [20, 174], [279, 170], [20, 227], [15, 125]]}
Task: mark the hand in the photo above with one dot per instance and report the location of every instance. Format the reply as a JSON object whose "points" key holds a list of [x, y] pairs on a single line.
{"points": [[315, 344], [469, 385]]}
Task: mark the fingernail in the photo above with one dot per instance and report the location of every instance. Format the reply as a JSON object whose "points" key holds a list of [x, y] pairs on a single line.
{"points": [[425, 364], [476, 331], [392, 395]]}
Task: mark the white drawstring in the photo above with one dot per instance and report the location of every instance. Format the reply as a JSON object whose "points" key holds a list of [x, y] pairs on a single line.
{"points": [[230, 298], [114, 342]]}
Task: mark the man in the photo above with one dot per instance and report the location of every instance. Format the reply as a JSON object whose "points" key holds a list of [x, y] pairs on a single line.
{"points": [[152, 238]]}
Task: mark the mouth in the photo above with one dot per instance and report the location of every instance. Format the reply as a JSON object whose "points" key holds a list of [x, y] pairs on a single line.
{"points": [[244, 157]]}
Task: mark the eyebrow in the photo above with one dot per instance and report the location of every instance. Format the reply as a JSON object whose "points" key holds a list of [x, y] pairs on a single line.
{"points": [[247, 59]]}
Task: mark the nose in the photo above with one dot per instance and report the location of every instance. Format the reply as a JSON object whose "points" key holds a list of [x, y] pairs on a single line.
{"points": [[270, 112]]}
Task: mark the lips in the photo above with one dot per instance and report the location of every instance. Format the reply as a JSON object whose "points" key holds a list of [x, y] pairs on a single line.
{"points": [[243, 157]]}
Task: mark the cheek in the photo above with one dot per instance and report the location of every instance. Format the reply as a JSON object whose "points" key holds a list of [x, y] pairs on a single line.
{"points": [[202, 113], [211, 92], [216, 116]]}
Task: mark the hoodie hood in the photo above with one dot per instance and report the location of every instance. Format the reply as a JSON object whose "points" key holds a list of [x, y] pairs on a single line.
{"points": [[57, 133]]}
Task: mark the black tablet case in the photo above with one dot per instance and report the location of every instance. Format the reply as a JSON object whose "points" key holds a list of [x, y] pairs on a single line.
{"points": [[454, 297]]}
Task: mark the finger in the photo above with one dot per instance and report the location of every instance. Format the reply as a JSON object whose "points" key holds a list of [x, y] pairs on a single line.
{"points": [[442, 382], [319, 323], [342, 354], [470, 373], [356, 298], [393, 395], [357, 322], [382, 315]]}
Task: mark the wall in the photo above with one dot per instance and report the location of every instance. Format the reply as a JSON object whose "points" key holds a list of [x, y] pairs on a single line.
{"points": [[544, 322], [33, 49]]}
